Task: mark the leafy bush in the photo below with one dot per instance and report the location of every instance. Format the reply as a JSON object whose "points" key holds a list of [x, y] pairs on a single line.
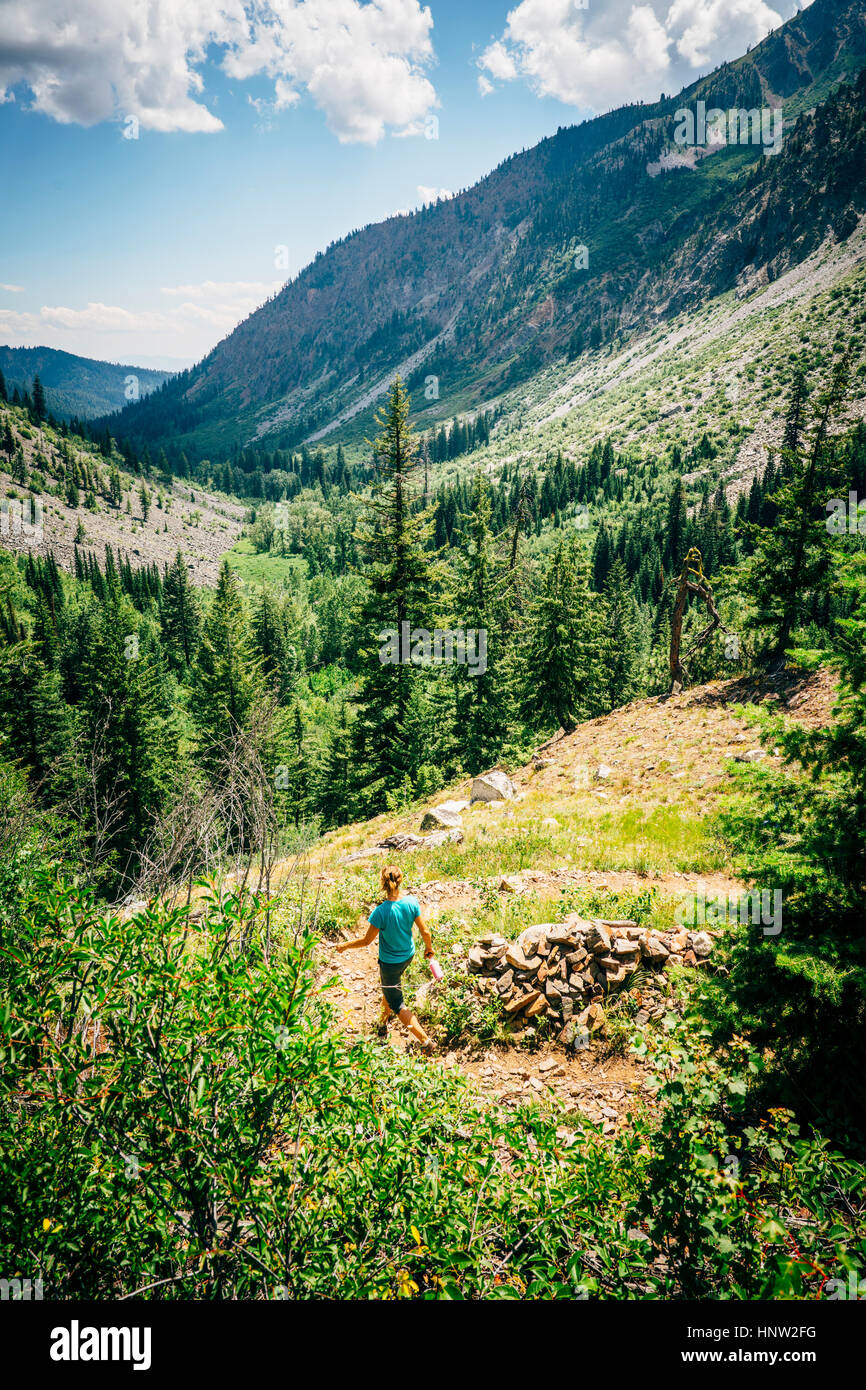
{"points": [[179, 1117]]}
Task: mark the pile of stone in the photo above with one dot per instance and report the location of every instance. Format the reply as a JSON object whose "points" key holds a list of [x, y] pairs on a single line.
{"points": [[565, 970]]}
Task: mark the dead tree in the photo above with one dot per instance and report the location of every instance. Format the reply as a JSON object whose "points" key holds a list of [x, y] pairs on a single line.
{"points": [[692, 581]]}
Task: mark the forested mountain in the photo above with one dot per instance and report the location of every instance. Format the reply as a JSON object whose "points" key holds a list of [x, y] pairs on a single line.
{"points": [[482, 290], [76, 386]]}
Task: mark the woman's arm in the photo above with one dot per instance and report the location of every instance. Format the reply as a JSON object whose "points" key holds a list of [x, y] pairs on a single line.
{"points": [[370, 935], [425, 935]]}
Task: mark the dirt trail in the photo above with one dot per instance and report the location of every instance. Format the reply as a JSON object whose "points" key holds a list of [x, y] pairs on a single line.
{"points": [[656, 750], [603, 1089]]}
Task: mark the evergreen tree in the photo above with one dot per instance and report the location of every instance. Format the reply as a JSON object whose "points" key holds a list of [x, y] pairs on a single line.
{"points": [[226, 671], [619, 650], [791, 558], [271, 643], [561, 649], [481, 712], [39, 407], [179, 616], [393, 537], [336, 794]]}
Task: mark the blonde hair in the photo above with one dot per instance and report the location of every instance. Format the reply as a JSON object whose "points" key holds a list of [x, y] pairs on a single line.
{"points": [[392, 877]]}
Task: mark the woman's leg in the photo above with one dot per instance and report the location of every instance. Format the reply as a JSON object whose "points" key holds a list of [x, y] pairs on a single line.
{"points": [[392, 1000], [409, 1020]]}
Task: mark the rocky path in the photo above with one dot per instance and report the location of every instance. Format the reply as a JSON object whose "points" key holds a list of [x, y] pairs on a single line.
{"points": [[605, 1089]]}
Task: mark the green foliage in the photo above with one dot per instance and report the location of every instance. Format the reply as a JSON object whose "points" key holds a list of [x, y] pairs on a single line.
{"points": [[179, 1118], [802, 993]]}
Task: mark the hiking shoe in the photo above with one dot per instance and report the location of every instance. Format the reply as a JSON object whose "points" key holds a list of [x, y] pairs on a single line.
{"points": [[428, 1048]]}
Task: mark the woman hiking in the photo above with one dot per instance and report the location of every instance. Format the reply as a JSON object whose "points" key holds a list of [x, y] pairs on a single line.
{"points": [[392, 922]]}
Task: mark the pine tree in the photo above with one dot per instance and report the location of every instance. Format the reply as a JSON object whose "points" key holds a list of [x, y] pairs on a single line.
{"points": [[398, 598], [791, 558], [619, 652], [226, 671], [39, 407], [481, 712], [560, 673], [336, 792], [272, 644], [676, 543], [179, 616], [128, 725]]}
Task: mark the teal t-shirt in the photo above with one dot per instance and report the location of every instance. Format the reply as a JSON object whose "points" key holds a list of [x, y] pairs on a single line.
{"points": [[394, 920]]}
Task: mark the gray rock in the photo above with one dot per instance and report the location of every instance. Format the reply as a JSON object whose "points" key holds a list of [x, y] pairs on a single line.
{"points": [[435, 818], [492, 786], [701, 944], [653, 949], [597, 939]]}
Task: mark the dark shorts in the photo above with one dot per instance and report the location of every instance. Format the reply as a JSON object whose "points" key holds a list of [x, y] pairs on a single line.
{"points": [[390, 973]]}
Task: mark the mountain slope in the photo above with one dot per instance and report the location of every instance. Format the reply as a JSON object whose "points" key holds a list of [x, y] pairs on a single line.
{"points": [[484, 289], [76, 386]]}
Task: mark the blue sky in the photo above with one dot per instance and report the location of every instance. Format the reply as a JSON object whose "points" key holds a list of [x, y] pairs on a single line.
{"points": [[287, 126]]}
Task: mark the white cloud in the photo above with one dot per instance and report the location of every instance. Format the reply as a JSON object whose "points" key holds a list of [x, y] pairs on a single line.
{"points": [[598, 58], [484, 87], [193, 318], [86, 61], [12, 289], [254, 290], [433, 195]]}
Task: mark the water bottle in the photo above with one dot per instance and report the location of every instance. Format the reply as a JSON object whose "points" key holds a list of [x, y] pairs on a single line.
{"points": [[436, 969]]}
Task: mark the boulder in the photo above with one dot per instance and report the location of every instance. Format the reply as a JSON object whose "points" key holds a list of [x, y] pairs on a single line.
{"points": [[492, 786], [561, 935], [519, 961], [451, 836], [521, 1001], [435, 818], [476, 960], [538, 1006], [405, 840], [534, 940], [701, 944], [574, 922], [597, 939], [504, 983], [453, 808], [653, 949], [603, 772], [510, 884]]}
